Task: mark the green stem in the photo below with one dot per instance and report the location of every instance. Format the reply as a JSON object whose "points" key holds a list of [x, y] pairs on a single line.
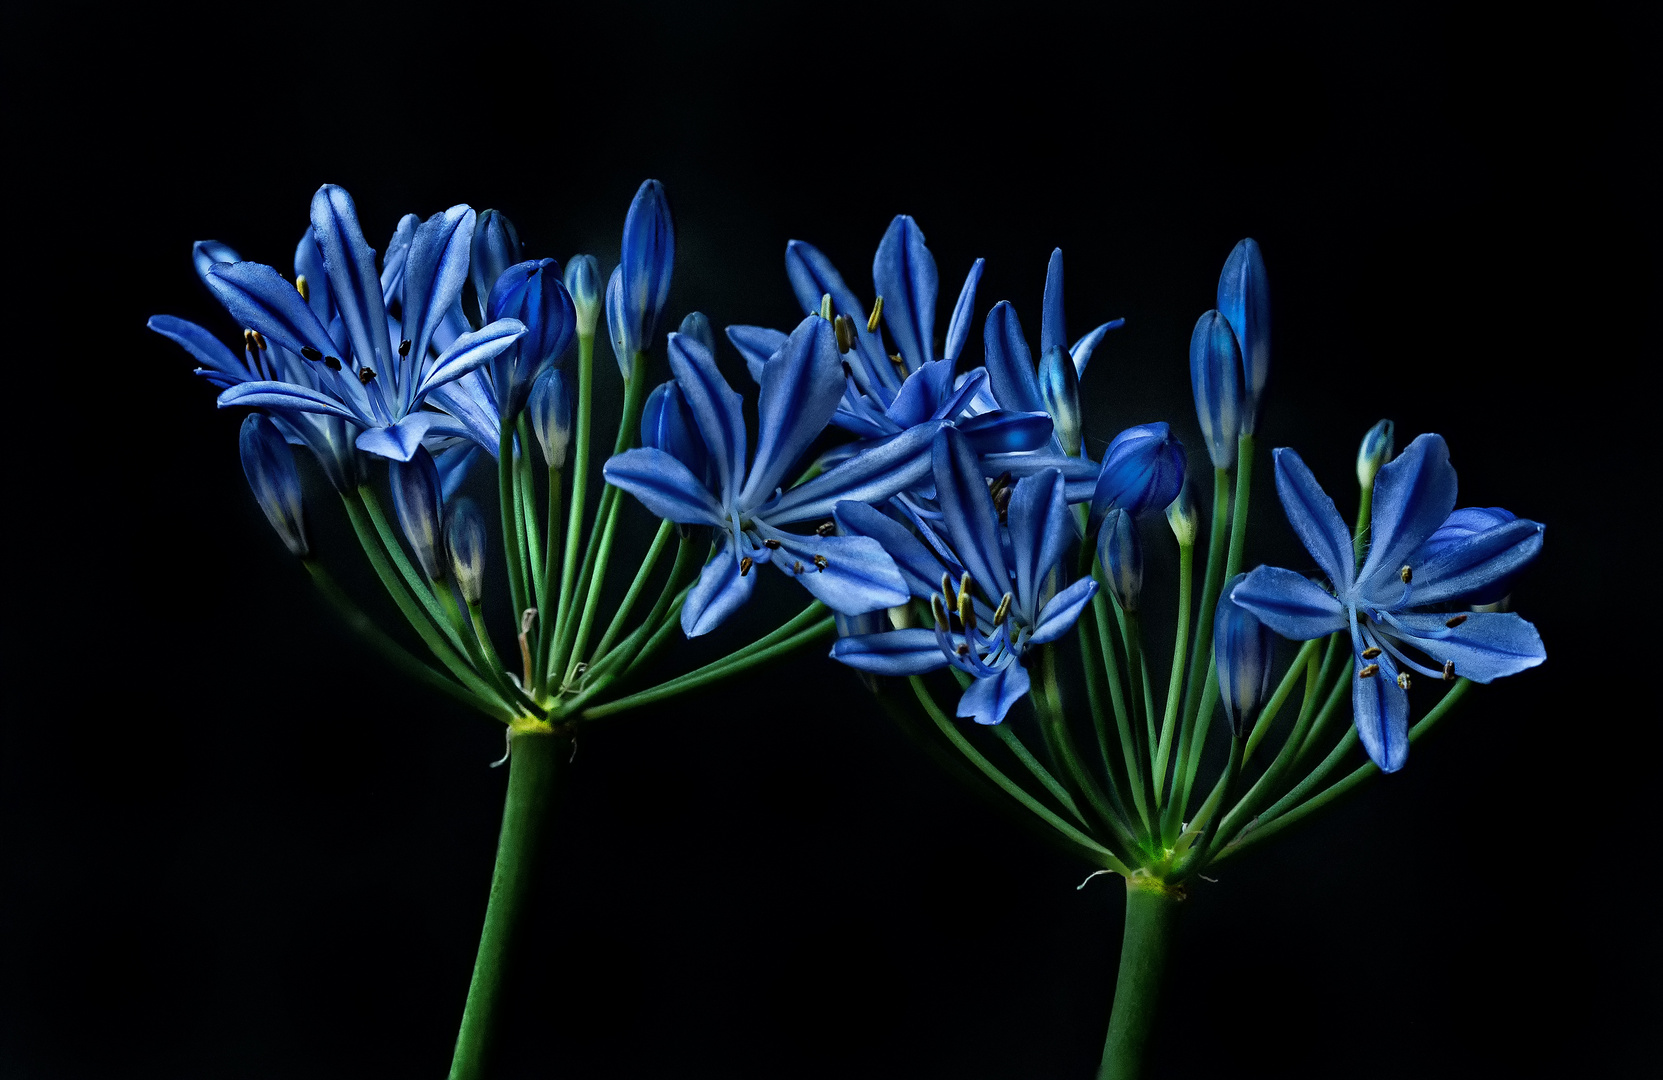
{"points": [[414, 579], [535, 586], [1128, 745], [1097, 691], [1151, 915], [580, 478], [1260, 792], [1201, 651], [548, 616], [660, 541], [592, 599], [1273, 707], [513, 528], [1175, 684], [1054, 725], [1040, 772], [1359, 536], [532, 769], [1244, 496]]}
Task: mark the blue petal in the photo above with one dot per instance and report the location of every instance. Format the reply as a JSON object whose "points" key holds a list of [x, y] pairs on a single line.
{"points": [[392, 263], [958, 327], [813, 276], [207, 254], [1052, 334], [903, 270], [912, 651], [626, 340], [988, 700], [257, 297], [1080, 473], [716, 408], [1486, 646], [468, 400], [1244, 298], [308, 263], [1003, 432], [1290, 604], [962, 399], [1041, 528], [467, 353], [870, 477], [1081, 350], [800, 391], [1143, 470], [1380, 709], [924, 389], [647, 258], [208, 350], [454, 463], [919, 567], [1062, 611], [496, 247], [720, 591], [352, 277], [1010, 366], [664, 486], [667, 424], [400, 441], [757, 344], [858, 575], [1413, 494], [1476, 567], [967, 512], [280, 395], [418, 503], [1315, 521], [696, 325], [434, 272]]}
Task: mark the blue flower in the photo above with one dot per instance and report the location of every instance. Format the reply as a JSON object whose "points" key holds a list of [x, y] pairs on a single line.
{"points": [[1242, 652], [337, 357], [1244, 299], [1143, 470], [800, 389], [1215, 376], [1007, 599], [269, 466], [1406, 569], [890, 393]]}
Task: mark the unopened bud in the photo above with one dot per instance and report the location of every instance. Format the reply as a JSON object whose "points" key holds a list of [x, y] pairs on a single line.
{"points": [[418, 502], [583, 282], [1120, 551], [550, 412], [465, 536], [269, 465], [1375, 451], [1059, 388], [1185, 520]]}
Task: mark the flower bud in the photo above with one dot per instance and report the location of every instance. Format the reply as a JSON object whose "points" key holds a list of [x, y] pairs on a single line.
{"points": [[1121, 553], [667, 424], [496, 247], [550, 412], [697, 327], [1376, 450], [647, 258], [532, 293], [1059, 388], [1244, 299], [625, 342], [1242, 654], [417, 500], [583, 283], [465, 536], [269, 466], [1215, 375], [1143, 470], [1182, 515]]}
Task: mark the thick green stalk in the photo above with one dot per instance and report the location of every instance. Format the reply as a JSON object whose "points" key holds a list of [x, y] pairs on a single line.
{"points": [[397, 654], [580, 477], [513, 528], [1175, 683], [533, 766], [1151, 917]]}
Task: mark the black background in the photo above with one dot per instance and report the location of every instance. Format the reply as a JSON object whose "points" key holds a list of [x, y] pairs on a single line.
{"points": [[234, 845]]}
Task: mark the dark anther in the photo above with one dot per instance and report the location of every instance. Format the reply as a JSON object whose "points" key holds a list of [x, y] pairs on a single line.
{"points": [[819, 563], [258, 338], [848, 372], [895, 358], [771, 545], [1456, 621], [1002, 502], [1369, 672], [365, 375], [796, 568], [745, 565], [331, 363], [1371, 652], [825, 528], [1449, 671], [404, 347], [1403, 680], [310, 353], [1406, 574], [964, 650]]}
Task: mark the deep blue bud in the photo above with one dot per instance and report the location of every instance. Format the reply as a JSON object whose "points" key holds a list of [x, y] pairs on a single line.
{"points": [[550, 412], [1375, 451], [1143, 470], [1244, 298], [1059, 388], [625, 342], [697, 327], [419, 503], [667, 424], [496, 247], [583, 283], [647, 258], [269, 466], [465, 533], [532, 293], [1242, 654], [1121, 552], [207, 254], [1215, 374]]}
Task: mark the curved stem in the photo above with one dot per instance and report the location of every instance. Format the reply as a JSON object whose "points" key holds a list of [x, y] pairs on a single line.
{"points": [[1151, 916], [513, 528], [532, 768], [1190, 731], [1175, 683], [580, 479]]}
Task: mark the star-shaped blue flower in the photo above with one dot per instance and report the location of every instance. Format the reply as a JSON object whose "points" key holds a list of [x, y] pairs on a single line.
{"points": [[1414, 561]]}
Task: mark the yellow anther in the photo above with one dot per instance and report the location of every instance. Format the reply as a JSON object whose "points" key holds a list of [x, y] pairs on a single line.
{"points": [[872, 319], [825, 307], [1403, 679], [1371, 652], [1369, 672], [301, 287], [745, 565], [1004, 609], [1449, 671], [1406, 574]]}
